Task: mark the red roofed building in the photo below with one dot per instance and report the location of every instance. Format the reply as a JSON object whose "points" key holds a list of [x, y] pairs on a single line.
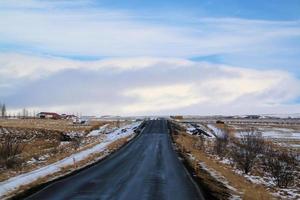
{"points": [[48, 115]]}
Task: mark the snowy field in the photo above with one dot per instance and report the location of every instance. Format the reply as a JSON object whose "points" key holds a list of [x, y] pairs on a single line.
{"points": [[287, 137], [284, 136]]}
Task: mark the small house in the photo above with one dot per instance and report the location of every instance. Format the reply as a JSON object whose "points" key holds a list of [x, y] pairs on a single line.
{"points": [[48, 115]]}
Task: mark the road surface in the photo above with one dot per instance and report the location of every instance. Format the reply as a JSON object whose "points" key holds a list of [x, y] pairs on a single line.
{"points": [[147, 168]]}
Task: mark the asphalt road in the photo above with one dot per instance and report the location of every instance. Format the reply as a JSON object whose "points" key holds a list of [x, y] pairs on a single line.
{"points": [[147, 168]]}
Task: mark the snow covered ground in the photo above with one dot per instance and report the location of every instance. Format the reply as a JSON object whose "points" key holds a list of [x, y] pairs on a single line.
{"points": [[193, 129], [207, 130], [287, 193], [282, 136], [26, 178], [99, 131], [276, 133], [217, 131], [221, 179]]}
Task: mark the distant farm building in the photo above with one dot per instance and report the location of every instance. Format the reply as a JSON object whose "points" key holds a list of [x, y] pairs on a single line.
{"points": [[48, 115], [177, 117], [220, 122]]}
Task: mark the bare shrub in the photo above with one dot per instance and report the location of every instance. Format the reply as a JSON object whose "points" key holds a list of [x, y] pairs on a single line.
{"points": [[54, 150], [221, 143], [76, 141], [200, 143], [174, 127], [282, 165], [10, 148], [64, 137], [245, 150], [118, 123]]}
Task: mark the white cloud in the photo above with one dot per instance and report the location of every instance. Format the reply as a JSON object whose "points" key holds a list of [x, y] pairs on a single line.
{"points": [[14, 66], [34, 4], [60, 29], [245, 82], [162, 97], [32, 67], [235, 87], [174, 85]]}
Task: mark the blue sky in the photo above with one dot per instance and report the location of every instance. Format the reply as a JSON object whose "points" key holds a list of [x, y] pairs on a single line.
{"points": [[268, 10], [245, 52]]}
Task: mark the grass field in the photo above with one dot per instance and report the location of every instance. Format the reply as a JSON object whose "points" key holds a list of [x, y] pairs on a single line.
{"points": [[44, 141], [49, 124]]}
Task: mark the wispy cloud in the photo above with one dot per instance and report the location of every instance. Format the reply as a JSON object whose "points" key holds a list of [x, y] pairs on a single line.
{"points": [[156, 85], [97, 31], [162, 98], [15, 66]]}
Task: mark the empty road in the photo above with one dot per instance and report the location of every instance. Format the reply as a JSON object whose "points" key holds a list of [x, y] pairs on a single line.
{"points": [[147, 168]]}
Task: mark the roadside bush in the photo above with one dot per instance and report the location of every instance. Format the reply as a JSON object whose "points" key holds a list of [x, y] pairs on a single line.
{"points": [[282, 165], [221, 143], [64, 137], [174, 127], [76, 141], [200, 143], [10, 147], [54, 150], [245, 150]]}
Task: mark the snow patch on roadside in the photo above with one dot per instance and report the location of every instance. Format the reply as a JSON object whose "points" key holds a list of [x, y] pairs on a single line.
{"points": [[198, 129], [218, 132], [206, 130], [289, 193], [221, 179], [26, 178], [99, 131]]}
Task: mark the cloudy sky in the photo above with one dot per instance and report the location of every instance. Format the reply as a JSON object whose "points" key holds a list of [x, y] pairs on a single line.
{"points": [[137, 57]]}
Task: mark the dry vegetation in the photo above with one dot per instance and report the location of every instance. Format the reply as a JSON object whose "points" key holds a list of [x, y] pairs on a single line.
{"points": [[255, 159], [27, 144], [284, 136], [190, 145], [72, 168], [48, 124]]}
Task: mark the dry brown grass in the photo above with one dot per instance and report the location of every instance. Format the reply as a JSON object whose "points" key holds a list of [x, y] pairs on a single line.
{"points": [[43, 137], [71, 168], [50, 124], [249, 190], [117, 144], [229, 129]]}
